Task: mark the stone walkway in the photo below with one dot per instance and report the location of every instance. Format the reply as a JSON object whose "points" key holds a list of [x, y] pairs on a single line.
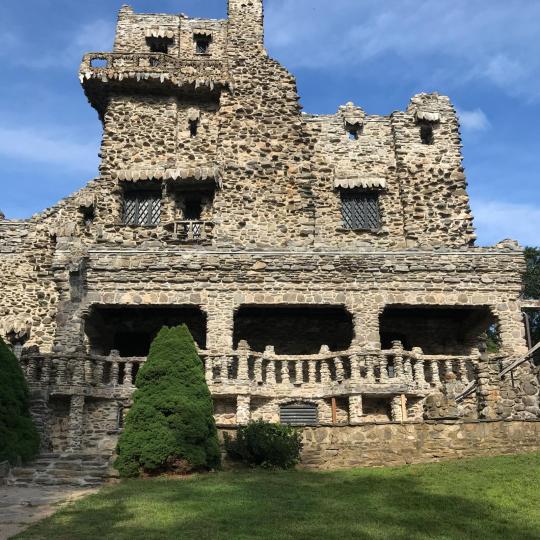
{"points": [[22, 506]]}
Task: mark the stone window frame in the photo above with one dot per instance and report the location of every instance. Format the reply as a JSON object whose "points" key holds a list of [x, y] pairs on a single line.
{"points": [[367, 214], [161, 42]]}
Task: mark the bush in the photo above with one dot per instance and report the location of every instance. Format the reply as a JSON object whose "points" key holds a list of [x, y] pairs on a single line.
{"points": [[265, 445], [170, 426], [19, 439]]}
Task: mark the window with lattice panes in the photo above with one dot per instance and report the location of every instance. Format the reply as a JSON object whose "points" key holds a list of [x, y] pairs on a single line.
{"points": [[360, 210], [142, 208]]}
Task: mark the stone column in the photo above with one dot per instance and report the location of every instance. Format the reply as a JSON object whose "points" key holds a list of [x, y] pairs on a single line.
{"points": [[356, 411], [397, 411], [76, 413], [488, 392], [243, 410], [220, 322]]}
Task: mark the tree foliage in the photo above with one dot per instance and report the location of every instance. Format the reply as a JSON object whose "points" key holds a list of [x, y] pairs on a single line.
{"points": [[532, 289], [19, 439], [170, 425], [267, 445]]}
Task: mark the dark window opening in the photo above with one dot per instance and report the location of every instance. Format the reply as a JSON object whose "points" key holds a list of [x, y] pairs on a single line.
{"points": [[426, 134], [159, 45], [294, 329], [130, 330], [193, 128], [142, 208], [453, 330], [88, 214], [193, 209], [360, 210], [354, 131], [299, 414], [202, 44]]}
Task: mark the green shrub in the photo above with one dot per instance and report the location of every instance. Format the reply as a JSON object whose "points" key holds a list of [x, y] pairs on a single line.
{"points": [[19, 439], [265, 445], [170, 426]]}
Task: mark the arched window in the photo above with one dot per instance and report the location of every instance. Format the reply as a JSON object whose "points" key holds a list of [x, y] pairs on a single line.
{"points": [[299, 414]]}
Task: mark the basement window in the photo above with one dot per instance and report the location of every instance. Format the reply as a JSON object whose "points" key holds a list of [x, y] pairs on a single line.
{"points": [[426, 134], [142, 208], [360, 210], [202, 44]]}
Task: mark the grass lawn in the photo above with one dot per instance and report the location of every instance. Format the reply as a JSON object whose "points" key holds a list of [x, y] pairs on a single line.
{"points": [[490, 498]]}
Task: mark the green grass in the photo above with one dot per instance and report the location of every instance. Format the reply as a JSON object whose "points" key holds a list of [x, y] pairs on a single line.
{"points": [[490, 498]]}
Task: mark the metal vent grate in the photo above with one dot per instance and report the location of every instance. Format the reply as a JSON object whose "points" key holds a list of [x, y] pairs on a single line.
{"points": [[360, 210], [299, 414]]}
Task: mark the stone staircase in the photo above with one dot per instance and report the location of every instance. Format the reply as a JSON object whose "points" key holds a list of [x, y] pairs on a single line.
{"points": [[62, 469]]}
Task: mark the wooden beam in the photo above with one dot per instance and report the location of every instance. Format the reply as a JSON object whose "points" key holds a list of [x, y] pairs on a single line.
{"points": [[403, 408], [530, 304], [334, 411]]}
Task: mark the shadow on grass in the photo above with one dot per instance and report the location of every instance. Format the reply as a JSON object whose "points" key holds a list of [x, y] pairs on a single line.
{"points": [[297, 505]]}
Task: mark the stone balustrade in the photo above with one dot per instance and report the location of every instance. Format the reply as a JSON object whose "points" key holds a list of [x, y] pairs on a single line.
{"points": [[243, 371], [190, 231], [148, 66]]}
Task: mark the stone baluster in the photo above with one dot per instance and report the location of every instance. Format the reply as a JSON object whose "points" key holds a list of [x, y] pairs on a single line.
{"points": [[355, 369], [448, 367], [397, 351], [419, 374], [340, 372], [225, 364], [115, 368], [435, 376], [209, 370], [271, 372], [325, 372], [355, 409], [293, 376], [383, 367], [258, 371], [61, 372], [98, 372], [285, 376], [463, 374], [312, 372], [128, 375], [243, 361], [408, 368], [371, 361]]}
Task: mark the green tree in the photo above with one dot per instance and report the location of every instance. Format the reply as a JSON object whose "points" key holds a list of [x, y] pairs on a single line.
{"points": [[532, 289], [170, 426], [19, 439]]}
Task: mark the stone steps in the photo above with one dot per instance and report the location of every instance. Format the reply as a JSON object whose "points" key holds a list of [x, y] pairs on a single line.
{"points": [[62, 469]]}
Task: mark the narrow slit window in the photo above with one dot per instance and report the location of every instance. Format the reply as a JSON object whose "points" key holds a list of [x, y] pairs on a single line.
{"points": [[360, 210], [193, 128], [426, 134], [142, 208]]}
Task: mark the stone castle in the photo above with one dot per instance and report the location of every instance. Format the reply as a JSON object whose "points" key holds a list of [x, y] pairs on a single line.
{"points": [[325, 265]]}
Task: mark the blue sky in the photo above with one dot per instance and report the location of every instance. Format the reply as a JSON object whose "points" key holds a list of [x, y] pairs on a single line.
{"points": [[377, 53]]}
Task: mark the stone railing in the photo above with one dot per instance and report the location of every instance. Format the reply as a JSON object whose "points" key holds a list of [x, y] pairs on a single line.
{"points": [[190, 231], [148, 66], [243, 371]]}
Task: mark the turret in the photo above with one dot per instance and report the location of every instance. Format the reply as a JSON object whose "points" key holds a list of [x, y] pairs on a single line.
{"points": [[246, 26]]}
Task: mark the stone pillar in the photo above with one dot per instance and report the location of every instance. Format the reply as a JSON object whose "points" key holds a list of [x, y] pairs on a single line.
{"points": [[220, 322], [488, 392], [243, 410], [397, 410], [356, 411], [76, 413]]}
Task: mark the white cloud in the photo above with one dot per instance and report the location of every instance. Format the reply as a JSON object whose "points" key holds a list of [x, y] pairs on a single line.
{"points": [[27, 144], [497, 220], [475, 120], [460, 39]]}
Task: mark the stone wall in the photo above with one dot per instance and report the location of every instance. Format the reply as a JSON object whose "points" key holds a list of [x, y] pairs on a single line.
{"points": [[393, 444]]}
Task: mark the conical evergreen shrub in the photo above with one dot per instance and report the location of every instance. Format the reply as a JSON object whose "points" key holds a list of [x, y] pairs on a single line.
{"points": [[171, 424], [19, 439]]}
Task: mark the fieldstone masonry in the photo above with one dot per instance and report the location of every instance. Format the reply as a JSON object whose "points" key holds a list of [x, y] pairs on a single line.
{"points": [[217, 193]]}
